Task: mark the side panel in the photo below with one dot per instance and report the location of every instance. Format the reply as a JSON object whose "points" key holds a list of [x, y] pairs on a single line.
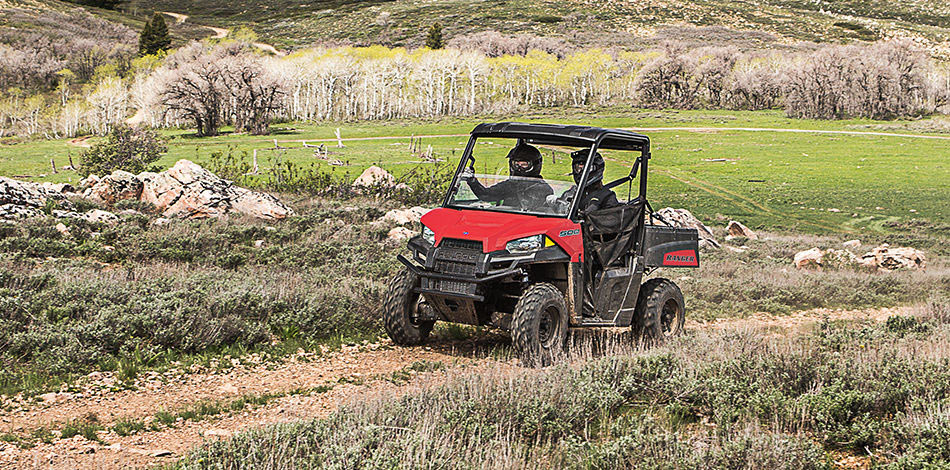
{"points": [[616, 295], [671, 247]]}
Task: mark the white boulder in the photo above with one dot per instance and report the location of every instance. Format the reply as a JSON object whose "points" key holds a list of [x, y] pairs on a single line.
{"points": [[736, 229], [375, 176], [685, 219]]}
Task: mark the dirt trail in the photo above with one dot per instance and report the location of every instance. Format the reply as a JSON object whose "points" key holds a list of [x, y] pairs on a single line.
{"points": [[354, 373], [220, 33], [80, 142]]}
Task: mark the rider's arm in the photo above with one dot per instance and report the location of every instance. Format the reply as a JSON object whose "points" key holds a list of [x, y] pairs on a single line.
{"points": [[491, 194]]}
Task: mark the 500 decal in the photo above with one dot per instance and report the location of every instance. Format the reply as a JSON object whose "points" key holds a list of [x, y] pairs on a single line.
{"points": [[569, 233]]}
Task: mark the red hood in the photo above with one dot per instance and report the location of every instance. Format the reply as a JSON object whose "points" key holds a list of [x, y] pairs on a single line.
{"points": [[495, 229]]}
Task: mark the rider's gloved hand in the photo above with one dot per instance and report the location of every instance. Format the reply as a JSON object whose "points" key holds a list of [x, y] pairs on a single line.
{"points": [[467, 173], [550, 199]]}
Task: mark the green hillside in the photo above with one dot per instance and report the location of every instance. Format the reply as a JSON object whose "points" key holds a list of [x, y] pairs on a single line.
{"points": [[402, 22]]}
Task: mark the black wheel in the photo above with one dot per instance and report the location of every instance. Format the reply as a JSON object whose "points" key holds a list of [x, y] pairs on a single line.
{"points": [[400, 311], [661, 312], [539, 325]]}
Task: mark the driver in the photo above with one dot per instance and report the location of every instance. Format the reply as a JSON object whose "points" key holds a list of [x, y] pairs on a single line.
{"points": [[595, 196], [526, 190]]}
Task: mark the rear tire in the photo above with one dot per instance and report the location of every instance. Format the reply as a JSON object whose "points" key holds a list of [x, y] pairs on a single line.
{"points": [[539, 325], [661, 312], [399, 309]]}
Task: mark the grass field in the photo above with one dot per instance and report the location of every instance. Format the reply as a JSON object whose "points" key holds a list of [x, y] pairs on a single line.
{"points": [[767, 179]]}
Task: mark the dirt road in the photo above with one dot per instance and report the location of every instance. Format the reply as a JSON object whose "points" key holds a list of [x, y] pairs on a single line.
{"points": [[220, 33], [309, 386]]}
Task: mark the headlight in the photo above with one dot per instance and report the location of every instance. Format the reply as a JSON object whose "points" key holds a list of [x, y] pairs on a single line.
{"points": [[526, 244], [428, 235]]}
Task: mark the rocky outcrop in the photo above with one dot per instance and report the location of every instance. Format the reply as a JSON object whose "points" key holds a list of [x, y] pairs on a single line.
{"points": [[186, 190], [809, 259], [685, 219], [736, 229], [25, 194], [189, 191], [886, 258], [880, 259], [118, 186]]}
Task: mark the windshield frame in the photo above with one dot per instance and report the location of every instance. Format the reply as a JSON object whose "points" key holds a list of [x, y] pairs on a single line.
{"points": [[616, 140], [467, 154]]}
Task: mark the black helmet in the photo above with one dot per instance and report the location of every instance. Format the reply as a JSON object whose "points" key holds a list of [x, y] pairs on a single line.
{"points": [[579, 158], [524, 153]]}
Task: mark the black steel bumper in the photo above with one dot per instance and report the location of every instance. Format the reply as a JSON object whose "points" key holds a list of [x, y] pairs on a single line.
{"points": [[422, 272]]}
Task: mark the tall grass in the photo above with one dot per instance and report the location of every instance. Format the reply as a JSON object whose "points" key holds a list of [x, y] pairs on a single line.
{"points": [[134, 296], [730, 399]]}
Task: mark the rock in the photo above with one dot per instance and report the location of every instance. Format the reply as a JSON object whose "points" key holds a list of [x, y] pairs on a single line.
{"points": [[839, 259], [118, 186], [852, 244], [258, 243], [189, 191], [736, 229], [741, 249], [223, 433], [401, 233], [13, 212], [129, 212], [100, 216], [260, 205], [405, 216], [230, 389], [88, 182], [160, 453], [53, 397], [886, 258], [685, 219], [27, 194], [160, 221], [375, 176], [809, 259], [63, 229], [834, 210]]}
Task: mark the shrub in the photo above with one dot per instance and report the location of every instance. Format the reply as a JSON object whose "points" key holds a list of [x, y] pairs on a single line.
{"points": [[124, 148]]}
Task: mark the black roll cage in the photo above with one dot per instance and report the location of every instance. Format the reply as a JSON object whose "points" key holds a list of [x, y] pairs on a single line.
{"points": [[594, 138]]}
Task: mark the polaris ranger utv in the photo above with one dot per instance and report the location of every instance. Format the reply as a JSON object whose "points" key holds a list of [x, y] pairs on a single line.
{"points": [[535, 256]]}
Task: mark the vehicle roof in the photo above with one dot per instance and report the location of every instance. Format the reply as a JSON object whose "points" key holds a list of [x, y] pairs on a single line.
{"points": [[561, 134]]}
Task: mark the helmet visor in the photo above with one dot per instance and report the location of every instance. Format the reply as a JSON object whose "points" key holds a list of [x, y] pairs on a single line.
{"points": [[523, 165]]}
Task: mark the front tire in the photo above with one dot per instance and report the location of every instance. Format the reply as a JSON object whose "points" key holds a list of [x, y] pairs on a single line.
{"points": [[400, 310], [661, 312], [539, 325]]}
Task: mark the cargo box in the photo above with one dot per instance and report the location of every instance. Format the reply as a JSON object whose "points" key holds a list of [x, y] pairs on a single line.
{"points": [[671, 247]]}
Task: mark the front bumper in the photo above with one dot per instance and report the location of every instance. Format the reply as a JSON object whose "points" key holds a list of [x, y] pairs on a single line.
{"points": [[459, 268]]}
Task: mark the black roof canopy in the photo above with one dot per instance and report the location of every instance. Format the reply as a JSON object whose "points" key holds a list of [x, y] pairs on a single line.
{"points": [[559, 134]]}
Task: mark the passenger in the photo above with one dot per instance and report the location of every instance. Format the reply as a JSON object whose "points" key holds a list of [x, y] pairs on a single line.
{"points": [[526, 190], [595, 196]]}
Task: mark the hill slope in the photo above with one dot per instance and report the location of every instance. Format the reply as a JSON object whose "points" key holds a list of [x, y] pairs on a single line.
{"points": [[403, 22]]}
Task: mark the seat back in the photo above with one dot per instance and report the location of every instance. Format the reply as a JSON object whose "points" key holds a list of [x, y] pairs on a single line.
{"points": [[612, 233]]}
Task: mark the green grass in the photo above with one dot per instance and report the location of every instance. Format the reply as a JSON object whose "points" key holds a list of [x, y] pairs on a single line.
{"points": [[772, 180]]}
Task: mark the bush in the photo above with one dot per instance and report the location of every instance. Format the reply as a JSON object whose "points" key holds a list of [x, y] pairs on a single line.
{"points": [[124, 148]]}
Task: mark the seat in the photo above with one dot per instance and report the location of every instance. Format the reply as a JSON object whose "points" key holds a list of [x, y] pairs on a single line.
{"points": [[610, 234]]}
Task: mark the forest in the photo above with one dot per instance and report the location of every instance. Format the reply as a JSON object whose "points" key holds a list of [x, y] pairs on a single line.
{"points": [[62, 87]]}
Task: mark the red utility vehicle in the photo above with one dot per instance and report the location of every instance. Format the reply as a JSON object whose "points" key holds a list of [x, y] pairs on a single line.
{"points": [[536, 269]]}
